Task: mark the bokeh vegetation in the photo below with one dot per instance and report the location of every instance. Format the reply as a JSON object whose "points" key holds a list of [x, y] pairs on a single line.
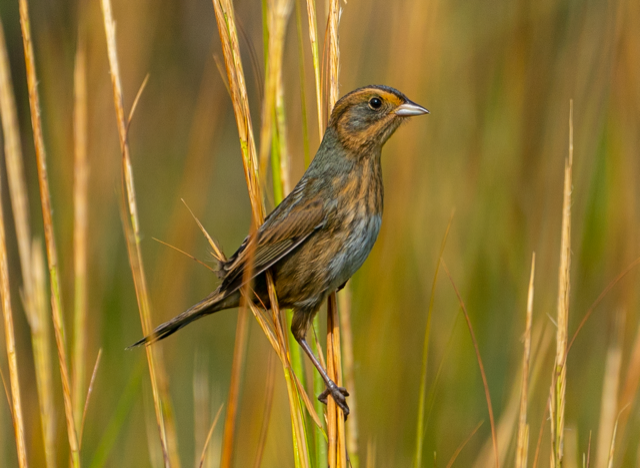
{"points": [[497, 77]]}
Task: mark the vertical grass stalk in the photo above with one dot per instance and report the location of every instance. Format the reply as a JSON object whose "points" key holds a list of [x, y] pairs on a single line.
{"points": [[276, 20], [80, 222], [132, 234], [335, 416], [522, 445], [235, 74], [313, 38], [494, 437], [19, 200], [52, 256], [318, 383], [237, 368], [609, 404], [558, 399], [303, 98], [420, 428], [7, 313], [41, 345], [344, 299], [15, 170]]}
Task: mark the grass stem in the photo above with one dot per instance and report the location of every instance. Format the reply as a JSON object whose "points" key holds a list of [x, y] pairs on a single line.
{"points": [[47, 215]]}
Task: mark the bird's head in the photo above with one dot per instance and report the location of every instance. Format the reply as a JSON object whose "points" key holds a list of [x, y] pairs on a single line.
{"points": [[367, 117]]}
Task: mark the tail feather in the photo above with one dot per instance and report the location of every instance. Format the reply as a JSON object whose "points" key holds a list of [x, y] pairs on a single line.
{"points": [[214, 302]]}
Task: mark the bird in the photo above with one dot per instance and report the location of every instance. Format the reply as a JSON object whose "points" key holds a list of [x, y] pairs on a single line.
{"points": [[323, 231]]}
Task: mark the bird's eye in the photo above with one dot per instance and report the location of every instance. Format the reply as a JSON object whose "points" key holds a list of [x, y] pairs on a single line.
{"points": [[375, 103]]}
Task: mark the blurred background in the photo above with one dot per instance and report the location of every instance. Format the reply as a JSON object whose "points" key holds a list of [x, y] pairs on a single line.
{"points": [[497, 77]]}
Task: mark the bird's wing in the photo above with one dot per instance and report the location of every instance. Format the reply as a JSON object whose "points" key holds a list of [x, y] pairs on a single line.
{"points": [[284, 230]]}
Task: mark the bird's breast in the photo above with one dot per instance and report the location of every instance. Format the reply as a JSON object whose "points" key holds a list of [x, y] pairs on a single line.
{"points": [[359, 216], [356, 244]]}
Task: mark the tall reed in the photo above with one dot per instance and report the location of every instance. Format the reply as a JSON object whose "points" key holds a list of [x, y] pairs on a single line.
{"points": [[522, 443], [276, 20], [7, 313], [15, 175], [80, 226], [132, 234], [564, 275], [52, 253]]}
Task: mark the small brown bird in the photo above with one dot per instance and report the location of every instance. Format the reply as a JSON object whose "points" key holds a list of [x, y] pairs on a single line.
{"points": [[323, 231]]}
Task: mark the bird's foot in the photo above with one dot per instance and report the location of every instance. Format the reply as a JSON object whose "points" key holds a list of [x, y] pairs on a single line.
{"points": [[339, 395]]}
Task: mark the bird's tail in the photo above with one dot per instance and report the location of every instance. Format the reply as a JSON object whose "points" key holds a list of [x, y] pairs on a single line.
{"points": [[212, 303]]}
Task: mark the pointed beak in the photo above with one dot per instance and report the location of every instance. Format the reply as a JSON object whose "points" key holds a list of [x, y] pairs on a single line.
{"points": [[409, 109]]}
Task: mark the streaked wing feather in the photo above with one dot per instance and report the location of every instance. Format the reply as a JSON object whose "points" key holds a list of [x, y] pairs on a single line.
{"points": [[284, 230]]}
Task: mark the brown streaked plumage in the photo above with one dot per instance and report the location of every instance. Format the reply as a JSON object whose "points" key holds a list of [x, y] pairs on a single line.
{"points": [[323, 231]]}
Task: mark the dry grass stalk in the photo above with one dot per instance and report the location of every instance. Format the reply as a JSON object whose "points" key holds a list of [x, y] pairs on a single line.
{"points": [[588, 314], [334, 54], [237, 367], [506, 429], [420, 427], [206, 442], [335, 416], [281, 129], [41, 344], [80, 222], [132, 234], [16, 403], [17, 187], [278, 12], [313, 38], [267, 327], [15, 170], [52, 256], [89, 393], [268, 405], [558, 399], [462, 445], [303, 98], [300, 448], [318, 383], [235, 74], [225, 19], [522, 447], [610, 386], [494, 437], [612, 447], [344, 300]]}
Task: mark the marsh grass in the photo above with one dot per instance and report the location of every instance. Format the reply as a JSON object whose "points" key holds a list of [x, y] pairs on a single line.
{"points": [[13, 158], [50, 243], [397, 394], [522, 447], [564, 281], [132, 233], [80, 225]]}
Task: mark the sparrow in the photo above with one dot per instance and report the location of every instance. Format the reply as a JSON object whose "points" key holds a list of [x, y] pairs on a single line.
{"points": [[323, 231]]}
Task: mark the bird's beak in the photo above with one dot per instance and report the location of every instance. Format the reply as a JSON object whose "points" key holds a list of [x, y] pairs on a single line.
{"points": [[409, 109]]}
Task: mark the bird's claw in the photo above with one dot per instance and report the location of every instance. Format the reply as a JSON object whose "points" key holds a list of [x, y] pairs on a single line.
{"points": [[339, 395]]}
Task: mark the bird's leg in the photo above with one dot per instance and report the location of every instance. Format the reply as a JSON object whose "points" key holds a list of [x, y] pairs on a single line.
{"points": [[339, 394]]}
